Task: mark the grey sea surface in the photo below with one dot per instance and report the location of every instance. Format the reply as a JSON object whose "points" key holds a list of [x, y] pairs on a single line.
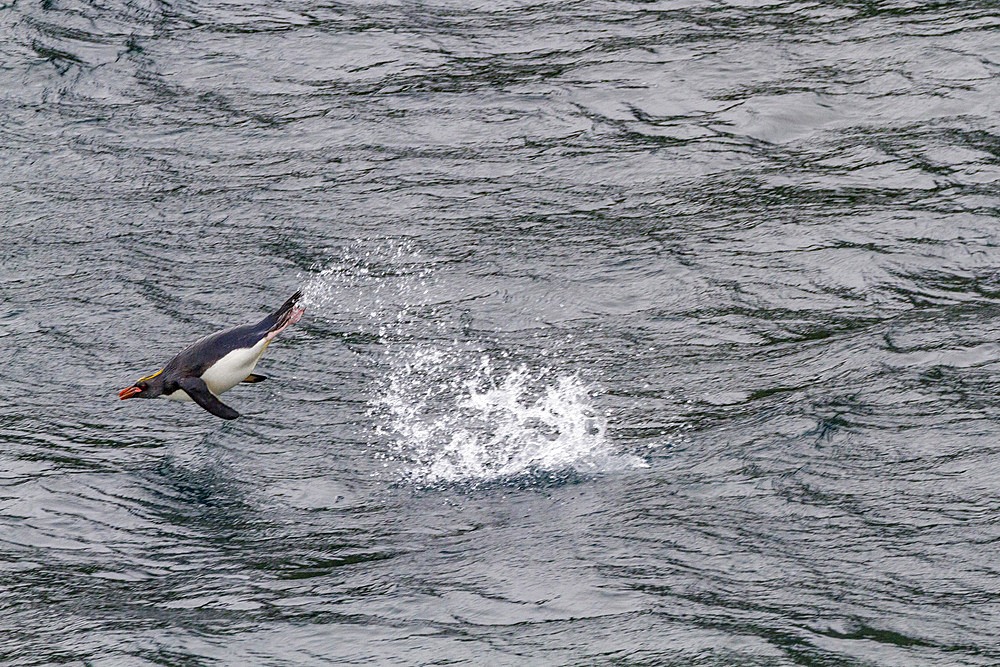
{"points": [[637, 333]]}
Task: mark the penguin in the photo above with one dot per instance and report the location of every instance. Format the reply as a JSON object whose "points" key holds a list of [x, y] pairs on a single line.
{"points": [[217, 363]]}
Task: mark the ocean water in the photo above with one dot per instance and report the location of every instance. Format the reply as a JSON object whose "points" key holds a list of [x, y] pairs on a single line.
{"points": [[637, 333]]}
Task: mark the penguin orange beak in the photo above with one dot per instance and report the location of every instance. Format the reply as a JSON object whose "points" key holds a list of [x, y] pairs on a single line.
{"points": [[128, 392]]}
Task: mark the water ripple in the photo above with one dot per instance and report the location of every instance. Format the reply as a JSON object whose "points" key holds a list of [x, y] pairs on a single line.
{"points": [[666, 322]]}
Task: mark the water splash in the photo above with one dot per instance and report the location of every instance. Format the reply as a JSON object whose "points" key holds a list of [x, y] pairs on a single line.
{"points": [[454, 424], [373, 283], [446, 410]]}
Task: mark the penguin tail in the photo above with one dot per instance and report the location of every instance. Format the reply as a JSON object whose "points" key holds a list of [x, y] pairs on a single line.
{"points": [[293, 301], [289, 313]]}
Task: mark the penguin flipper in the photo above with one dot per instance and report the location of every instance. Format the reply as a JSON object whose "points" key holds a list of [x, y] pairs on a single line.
{"points": [[199, 393], [253, 377]]}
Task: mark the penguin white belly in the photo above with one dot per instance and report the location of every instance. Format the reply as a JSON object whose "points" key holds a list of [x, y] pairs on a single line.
{"points": [[233, 368], [228, 371], [179, 395]]}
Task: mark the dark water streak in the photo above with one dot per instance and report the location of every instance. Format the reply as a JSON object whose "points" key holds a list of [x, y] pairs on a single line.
{"points": [[765, 233]]}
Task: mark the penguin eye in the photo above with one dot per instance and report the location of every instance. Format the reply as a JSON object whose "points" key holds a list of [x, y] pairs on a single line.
{"points": [[141, 385]]}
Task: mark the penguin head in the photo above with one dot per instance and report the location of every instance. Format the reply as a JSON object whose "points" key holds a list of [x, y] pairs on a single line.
{"points": [[148, 387]]}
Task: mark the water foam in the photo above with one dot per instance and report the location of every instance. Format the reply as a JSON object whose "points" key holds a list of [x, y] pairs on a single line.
{"points": [[446, 411], [451, 423]]}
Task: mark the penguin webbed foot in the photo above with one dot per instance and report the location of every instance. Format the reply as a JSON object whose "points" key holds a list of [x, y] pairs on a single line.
{"points": [[253, 377], [288, 314], [199, 393]]}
